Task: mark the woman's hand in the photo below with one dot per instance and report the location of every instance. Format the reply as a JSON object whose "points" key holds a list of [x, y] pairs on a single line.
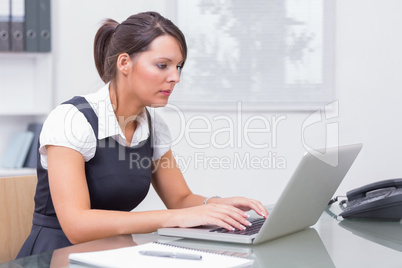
{"points": [[228, 213], [242, 203], [226, 216]]}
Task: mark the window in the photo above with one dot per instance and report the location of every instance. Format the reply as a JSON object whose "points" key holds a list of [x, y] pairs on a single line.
{"points": [[266, 54]]}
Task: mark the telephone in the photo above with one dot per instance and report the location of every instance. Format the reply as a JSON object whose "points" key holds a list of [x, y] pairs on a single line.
{"points": [[381, 200]]}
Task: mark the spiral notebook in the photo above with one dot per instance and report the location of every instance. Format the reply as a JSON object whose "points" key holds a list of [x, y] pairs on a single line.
{"points": [[131, 257]]}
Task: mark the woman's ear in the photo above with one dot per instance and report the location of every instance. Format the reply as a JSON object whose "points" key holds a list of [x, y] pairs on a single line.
{"points": [[123, 63]]}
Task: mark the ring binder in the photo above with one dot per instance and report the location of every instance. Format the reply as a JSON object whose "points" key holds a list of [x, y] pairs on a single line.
{"points": [[31, 159], [17, 25], [44, 25], [5, 25], [17, 150], [31, 25]]}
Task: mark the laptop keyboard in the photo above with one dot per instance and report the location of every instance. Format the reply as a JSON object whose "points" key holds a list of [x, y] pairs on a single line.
{"points": [[253, 229]]}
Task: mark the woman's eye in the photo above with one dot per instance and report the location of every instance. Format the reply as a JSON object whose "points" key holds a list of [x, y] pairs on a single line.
{"points": [[162, 66], [179, 68]]}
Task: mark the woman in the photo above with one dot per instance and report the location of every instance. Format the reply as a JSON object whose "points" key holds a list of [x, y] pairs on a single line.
{"points": [[87, 182]]}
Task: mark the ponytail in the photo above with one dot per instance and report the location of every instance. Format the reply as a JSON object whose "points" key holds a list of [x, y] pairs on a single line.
{"points": [[101, 49]]}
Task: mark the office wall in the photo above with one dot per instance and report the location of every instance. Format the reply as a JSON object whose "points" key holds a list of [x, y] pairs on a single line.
{"points": [[368, 82]]}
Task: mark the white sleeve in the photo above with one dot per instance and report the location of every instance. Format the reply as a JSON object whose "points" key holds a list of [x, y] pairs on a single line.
{"points": [[66, 126], [162, 140]]}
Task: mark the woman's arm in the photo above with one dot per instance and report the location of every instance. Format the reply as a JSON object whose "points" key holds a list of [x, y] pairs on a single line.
{"points": [[80, 223], [170, 185]]}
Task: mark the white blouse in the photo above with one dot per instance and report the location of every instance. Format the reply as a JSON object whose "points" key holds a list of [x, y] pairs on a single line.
{"points": [[68, 127]]}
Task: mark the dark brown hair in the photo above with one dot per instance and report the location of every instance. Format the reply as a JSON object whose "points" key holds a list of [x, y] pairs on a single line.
{"points": [[132, 36]]}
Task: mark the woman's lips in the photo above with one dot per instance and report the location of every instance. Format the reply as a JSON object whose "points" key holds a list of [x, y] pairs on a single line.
{"points": [[166, 92]]}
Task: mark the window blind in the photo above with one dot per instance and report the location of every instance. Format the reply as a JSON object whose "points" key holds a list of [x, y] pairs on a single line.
{"points": [[264, 54]]}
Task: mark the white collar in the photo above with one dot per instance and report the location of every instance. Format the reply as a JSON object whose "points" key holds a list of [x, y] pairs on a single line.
{"points": [[108, 125]]}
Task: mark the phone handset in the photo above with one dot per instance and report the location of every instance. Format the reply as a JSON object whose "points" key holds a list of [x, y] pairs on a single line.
{"points": [[374, 189]]}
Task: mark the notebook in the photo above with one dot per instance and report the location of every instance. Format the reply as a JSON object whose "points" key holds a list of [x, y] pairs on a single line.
{"points": [[300, 205], [131, 257]]}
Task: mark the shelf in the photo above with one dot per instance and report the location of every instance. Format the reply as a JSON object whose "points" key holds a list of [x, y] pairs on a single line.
{"points": [[12, 172], [26, 83], [23, 55]]}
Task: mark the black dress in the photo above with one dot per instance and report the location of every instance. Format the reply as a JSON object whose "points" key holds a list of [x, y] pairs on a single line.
{"points": [[116, 179]]}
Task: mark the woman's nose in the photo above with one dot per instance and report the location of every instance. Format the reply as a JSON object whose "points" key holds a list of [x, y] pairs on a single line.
{"points": [[174, 76]]}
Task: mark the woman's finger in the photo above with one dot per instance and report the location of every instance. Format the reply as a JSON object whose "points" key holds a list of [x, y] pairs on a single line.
{"points": [[230, 215]]}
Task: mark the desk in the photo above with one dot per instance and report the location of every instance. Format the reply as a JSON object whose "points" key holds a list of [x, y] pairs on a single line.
{"points": [[329, 243]]}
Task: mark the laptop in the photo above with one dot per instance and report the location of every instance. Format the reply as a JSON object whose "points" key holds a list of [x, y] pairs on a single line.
{"points": [[300, 205]]}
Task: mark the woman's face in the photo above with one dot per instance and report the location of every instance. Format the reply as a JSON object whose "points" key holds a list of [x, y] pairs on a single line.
{"points": [[154, 73]]}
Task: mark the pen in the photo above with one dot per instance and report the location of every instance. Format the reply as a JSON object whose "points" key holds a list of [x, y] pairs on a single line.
{"points": [[171, 255]]}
